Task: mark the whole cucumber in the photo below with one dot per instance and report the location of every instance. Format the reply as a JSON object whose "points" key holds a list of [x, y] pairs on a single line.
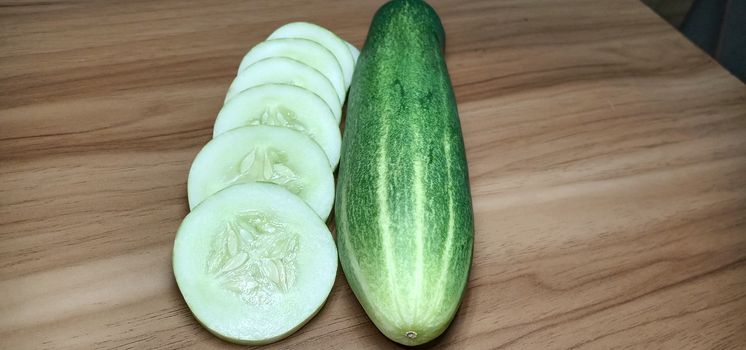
{"points": [[403, 208]]}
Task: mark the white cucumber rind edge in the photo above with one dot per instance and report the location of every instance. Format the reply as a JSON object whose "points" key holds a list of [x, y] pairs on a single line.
{"points": [[312, 52], [203, 165], [331, 98], [343, 56], [354, 51], [326, 126]]}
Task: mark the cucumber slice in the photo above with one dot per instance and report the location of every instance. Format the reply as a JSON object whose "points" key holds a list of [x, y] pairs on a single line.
{"points": [[285, 70], [354, 52], [287, 106], [254, 263], [264, 153], [322, 36], [303, 50]]}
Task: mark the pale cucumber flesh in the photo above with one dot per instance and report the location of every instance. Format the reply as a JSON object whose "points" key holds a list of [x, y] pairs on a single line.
{"points": [[306, 51], [324, 37], [354, 52], [254, 263], [282, 70], [264, 153], [287, 106]]}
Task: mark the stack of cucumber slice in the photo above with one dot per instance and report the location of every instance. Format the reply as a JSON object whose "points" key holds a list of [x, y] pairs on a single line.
{"points": [[254, 259]]}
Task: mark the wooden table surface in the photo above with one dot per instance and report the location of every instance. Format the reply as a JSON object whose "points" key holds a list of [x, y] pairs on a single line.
{"points": [[607, 158]]}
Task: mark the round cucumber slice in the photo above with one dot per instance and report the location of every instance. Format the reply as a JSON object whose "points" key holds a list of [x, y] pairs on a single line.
{"points": [[309, 52], [285, 70], [254, 263], [264, 153], [287, 106], [322, 36], [354, 52]]}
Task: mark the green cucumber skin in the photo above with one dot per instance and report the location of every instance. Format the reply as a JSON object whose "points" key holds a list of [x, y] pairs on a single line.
{"points": [[403, 207]]}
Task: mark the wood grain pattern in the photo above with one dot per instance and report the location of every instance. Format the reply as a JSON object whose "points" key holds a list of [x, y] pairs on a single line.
{"points": [[607, 158]]}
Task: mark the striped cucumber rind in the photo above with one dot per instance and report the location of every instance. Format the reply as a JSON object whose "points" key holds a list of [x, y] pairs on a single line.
{"points": [[403, 206]]}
